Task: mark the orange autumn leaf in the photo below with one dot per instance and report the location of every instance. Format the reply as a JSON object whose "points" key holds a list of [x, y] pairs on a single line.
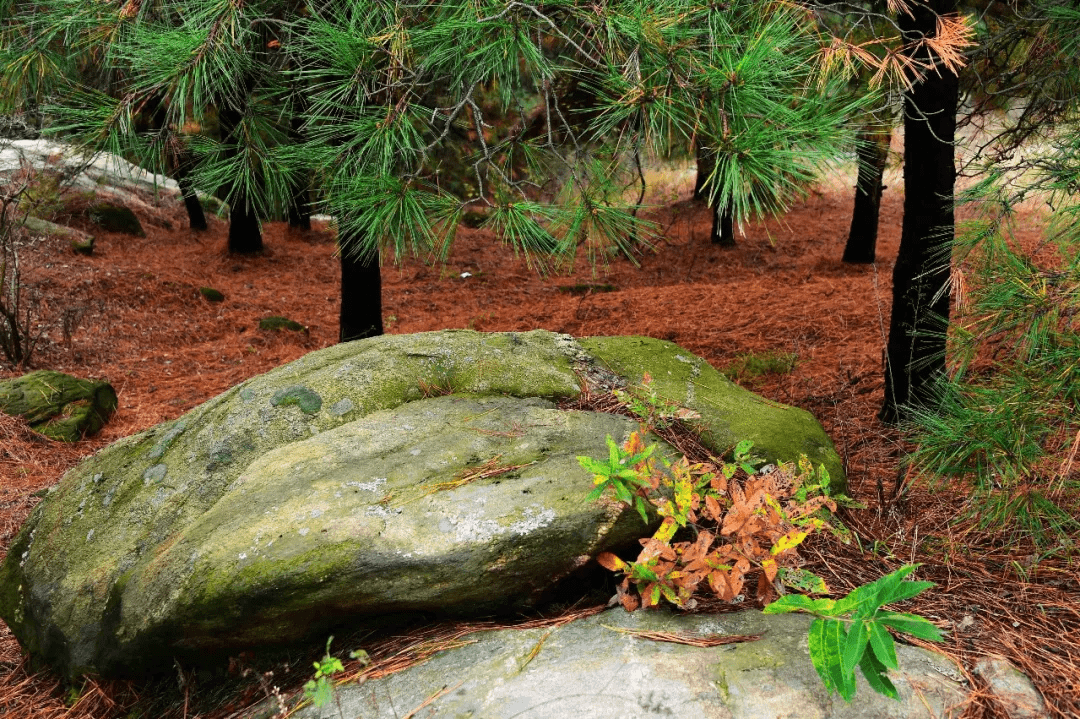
{"points": [[610, 562], [770, 568]]}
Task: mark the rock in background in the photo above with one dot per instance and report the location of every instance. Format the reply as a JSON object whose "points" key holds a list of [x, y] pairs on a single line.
{"points": [[112, 188], [58, 405]]}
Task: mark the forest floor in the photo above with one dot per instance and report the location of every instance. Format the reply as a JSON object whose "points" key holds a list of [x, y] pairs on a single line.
{"points": [[132, 313]]}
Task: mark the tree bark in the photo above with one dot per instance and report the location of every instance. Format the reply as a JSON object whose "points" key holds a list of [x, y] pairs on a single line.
{"points": [[723, 227], [180, 162], [300, 208], [920, 308], [245, 235], [361, 294], [196, 216], [299, 214], [704, 169], [872, 153]]}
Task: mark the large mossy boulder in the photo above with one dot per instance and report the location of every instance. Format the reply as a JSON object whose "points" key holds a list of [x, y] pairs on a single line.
{"points": [[429, 473], [58, 405]]}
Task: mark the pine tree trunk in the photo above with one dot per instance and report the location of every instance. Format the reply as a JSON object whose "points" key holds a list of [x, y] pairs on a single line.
{"points": [[181, 171], [723, 227], [704, 169], [245, 235], [300, 208], [920, 309], [300, 202], [361, 294], [872, 153], [196, 216]]}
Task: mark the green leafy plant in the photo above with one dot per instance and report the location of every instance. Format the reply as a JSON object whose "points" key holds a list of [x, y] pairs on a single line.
{"points": [[320, 689], [743, 522], [747, 521], [620, 474], [654, 411], [854, 631]]}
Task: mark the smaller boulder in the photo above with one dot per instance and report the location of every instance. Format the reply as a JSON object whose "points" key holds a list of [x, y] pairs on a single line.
{"points": [[84, 246], [211, 294], [58, 405], [115, 218], [51, 229], [1011, 688], [275, 322], [647, 664], [214, 206]]}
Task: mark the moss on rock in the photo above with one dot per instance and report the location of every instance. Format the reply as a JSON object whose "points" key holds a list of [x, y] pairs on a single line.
{"points": [[729, 413], [58, 405], [276, 322], [115, 218]]}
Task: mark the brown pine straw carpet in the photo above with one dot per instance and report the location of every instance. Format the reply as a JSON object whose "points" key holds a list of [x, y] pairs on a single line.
{"points": [[132, 313]]}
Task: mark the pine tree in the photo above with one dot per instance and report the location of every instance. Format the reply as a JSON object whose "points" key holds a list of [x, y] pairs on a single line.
{"points": [[656, 76], [1005, 415]]}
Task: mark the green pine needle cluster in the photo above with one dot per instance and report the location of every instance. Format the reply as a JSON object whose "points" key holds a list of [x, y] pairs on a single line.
{"points": [[1009, 414], [400, 116]]}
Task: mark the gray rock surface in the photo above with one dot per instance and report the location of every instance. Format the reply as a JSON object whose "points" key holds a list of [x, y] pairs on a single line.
{"points": [[402, 473], [1011, 688], [595, 668], [103, 168]]}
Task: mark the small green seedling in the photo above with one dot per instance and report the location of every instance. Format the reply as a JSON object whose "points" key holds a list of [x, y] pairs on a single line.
{"points": [[620, 473], [320, 690]]}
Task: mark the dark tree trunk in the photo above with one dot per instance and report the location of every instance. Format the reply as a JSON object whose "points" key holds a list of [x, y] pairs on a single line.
{"points": [[361, 294], [180, 161], [300, 208], [300, 200], [920, 309], [245, 235], [872, 153], [723, 227], [704, 169], [196, 216]]}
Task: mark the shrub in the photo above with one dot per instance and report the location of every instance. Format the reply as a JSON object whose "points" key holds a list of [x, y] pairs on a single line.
{"points": [[18, 302], [1008, 418], [744, 522]]}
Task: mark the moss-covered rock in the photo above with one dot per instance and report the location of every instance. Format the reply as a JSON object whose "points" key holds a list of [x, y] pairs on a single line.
{"points": [[83, 247], [214, 206], [402, 473], [58, 405], [211, 295], [115, 218], [729, 414], [276, 322]]}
